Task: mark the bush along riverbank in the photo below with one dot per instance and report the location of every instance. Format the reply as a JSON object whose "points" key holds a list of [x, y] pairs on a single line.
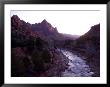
{"points": [[38, 63]]}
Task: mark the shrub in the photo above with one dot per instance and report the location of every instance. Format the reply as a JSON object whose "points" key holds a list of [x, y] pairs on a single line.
{"points": [[46, 56]]}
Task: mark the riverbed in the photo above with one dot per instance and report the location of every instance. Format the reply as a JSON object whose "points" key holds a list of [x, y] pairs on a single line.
{"points": [[77, 66]]}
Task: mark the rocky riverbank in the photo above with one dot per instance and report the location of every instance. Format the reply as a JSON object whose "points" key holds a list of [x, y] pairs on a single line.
{"points": [[38, 64], [59, 64]]}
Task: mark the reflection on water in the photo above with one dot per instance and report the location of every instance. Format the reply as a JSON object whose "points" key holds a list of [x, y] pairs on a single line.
{"points": [[77, 66]]}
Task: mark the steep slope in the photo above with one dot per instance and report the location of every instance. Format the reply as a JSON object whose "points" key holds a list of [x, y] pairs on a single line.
{"points": [[90, 40]]}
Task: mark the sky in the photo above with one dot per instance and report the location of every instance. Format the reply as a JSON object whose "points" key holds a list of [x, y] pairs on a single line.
{"points": [[69, 22]]}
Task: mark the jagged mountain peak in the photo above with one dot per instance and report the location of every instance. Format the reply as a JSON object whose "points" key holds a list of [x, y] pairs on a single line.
{"points": [[44, 21], [46, 24]]}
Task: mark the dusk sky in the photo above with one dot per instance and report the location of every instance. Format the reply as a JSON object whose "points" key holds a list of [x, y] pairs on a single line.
{"points": [[70, 22]]}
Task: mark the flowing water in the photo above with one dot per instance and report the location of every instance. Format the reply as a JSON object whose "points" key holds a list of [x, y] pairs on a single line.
{"points": [[77, 66]]}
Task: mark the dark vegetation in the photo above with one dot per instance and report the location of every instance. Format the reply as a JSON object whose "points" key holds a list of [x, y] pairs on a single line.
{"points": [[34, 48]]}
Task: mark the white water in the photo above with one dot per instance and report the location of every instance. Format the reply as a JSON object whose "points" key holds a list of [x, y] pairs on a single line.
{"points": [[77, 66]]}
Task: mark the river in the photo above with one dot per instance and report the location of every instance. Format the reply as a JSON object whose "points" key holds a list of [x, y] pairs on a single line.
{"points": [[77, 66]]}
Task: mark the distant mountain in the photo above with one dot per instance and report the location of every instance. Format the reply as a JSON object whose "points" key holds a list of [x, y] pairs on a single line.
{"points": [[69, 36]]}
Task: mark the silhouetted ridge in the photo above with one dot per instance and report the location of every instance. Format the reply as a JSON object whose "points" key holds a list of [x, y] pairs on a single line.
{"points": [[94, 31]]}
